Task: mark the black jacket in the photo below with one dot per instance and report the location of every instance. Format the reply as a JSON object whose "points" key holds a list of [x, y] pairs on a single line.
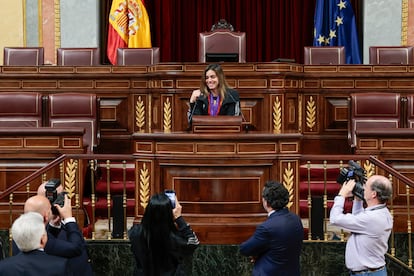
{"points": [[230, 105], [67, 242], [35, 263], [183, 243]]}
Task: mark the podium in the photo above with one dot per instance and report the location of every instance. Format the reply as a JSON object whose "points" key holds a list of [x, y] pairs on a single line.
{"points": [[216, 124]]}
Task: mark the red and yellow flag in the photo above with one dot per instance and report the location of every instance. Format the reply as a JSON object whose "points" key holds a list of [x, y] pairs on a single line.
{"points": [[129, 27]]}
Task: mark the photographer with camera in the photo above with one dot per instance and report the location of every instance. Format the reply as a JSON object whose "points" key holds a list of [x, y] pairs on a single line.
{"points": [[370, 227], [64, 237]]}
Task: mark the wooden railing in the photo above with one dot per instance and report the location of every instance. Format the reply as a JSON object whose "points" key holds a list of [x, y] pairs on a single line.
{"points": [[73, 169]]}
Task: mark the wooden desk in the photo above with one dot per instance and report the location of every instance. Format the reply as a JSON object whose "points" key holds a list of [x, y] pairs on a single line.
{"points": [[25, 150], [275, 97], [387, 142], [218, 178], [40, 142]]}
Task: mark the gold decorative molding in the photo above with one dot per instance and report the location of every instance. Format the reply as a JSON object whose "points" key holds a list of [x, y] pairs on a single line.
{"points": [[310, 113], [404, 22], [140, 115], [167, 116], [288, 182], [144, 186], [57, 25], [277, 116], [369, 168], [40, 22], [70, 177]]}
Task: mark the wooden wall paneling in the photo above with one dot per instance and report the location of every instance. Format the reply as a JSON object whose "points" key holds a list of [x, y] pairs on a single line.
{"points": [[218, 178], [335, 112], [114, 113], [255, 112]]}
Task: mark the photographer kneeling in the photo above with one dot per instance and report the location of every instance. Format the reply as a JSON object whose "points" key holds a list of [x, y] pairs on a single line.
{"points": [[370, 227]]}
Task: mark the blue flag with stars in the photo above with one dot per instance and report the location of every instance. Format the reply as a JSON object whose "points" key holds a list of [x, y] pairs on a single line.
{"points": [[335, 26]]}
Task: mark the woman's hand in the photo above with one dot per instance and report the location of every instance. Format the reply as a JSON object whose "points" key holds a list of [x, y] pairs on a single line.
{"points": [[177, 209], [195, 95]]}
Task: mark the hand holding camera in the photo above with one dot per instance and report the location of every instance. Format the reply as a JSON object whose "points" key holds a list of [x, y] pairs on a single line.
{"points": [[176, 206], [61, 204], [358, 175], [65, 211], [346, 189]]}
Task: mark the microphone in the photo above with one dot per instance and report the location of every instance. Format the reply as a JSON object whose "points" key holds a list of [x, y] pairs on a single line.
{"points": [[190, 116], [246, 126]]}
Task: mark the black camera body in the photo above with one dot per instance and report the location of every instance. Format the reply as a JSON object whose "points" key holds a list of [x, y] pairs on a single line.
{"points": [[53, 196], [354, 171]]}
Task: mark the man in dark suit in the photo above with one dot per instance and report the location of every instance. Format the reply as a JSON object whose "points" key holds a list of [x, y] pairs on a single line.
{"points": [[30, 236], [276, 244], [64, 236]]}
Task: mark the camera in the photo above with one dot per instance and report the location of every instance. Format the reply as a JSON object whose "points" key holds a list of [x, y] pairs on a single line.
{"points": [[354, 171], [53, 196]]}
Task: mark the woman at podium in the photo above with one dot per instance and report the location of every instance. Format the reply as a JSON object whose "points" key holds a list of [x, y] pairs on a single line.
{"points": [[214, 97]]}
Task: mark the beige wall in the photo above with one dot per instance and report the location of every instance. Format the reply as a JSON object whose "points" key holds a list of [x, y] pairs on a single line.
{"points": [[11, 27]]}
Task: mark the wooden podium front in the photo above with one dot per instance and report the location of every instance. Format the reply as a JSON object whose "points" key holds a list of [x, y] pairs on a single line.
{"points": [[218, 177], [216, 124]]}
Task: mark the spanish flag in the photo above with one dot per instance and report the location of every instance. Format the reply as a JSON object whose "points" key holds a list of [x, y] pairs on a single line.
{"points": [[129, 27]]}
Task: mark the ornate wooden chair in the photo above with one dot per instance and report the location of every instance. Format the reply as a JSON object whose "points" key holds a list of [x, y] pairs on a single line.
{"points": [[391, 55], [373, 110], [78, 56], [21, 109], [324, 55], [23, 56], [138, 56], [76, 110], [222, 44]]}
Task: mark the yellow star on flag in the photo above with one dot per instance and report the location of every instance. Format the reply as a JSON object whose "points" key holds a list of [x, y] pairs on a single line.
{"points": [[321, 39], [341, 5], [339, 21]]}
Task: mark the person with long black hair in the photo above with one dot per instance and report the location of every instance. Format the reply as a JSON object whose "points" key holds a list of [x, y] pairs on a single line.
{"points": [[163, 239]]}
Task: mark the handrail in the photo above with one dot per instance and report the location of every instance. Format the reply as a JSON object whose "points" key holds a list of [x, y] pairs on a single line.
{"points": [[57, 161], [391, 170]]}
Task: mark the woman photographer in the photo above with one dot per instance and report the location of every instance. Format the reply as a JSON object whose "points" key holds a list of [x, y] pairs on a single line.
{"points": [[162, 240]]}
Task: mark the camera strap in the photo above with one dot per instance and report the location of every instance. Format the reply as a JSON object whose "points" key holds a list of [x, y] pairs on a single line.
{"points": [[378, 207]]}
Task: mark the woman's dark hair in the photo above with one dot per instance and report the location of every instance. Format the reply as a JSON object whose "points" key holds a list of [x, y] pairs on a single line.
{"points": [[157, 226], [276, 195], [222, 83]]}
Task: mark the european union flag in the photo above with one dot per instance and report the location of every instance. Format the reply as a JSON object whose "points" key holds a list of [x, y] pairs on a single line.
{"points": [[335, 26]]}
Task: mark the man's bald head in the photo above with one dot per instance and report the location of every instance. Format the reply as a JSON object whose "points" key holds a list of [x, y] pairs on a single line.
{"points": [[39, 204]]}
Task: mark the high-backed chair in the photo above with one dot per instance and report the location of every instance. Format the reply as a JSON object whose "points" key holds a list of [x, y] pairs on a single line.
{"points": [[137, 56], [222, 44], [391, 55], [314, 55], [78, 56], [23, 56], [21, 109], [373, 110], [410, 112], [76, 110]]}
